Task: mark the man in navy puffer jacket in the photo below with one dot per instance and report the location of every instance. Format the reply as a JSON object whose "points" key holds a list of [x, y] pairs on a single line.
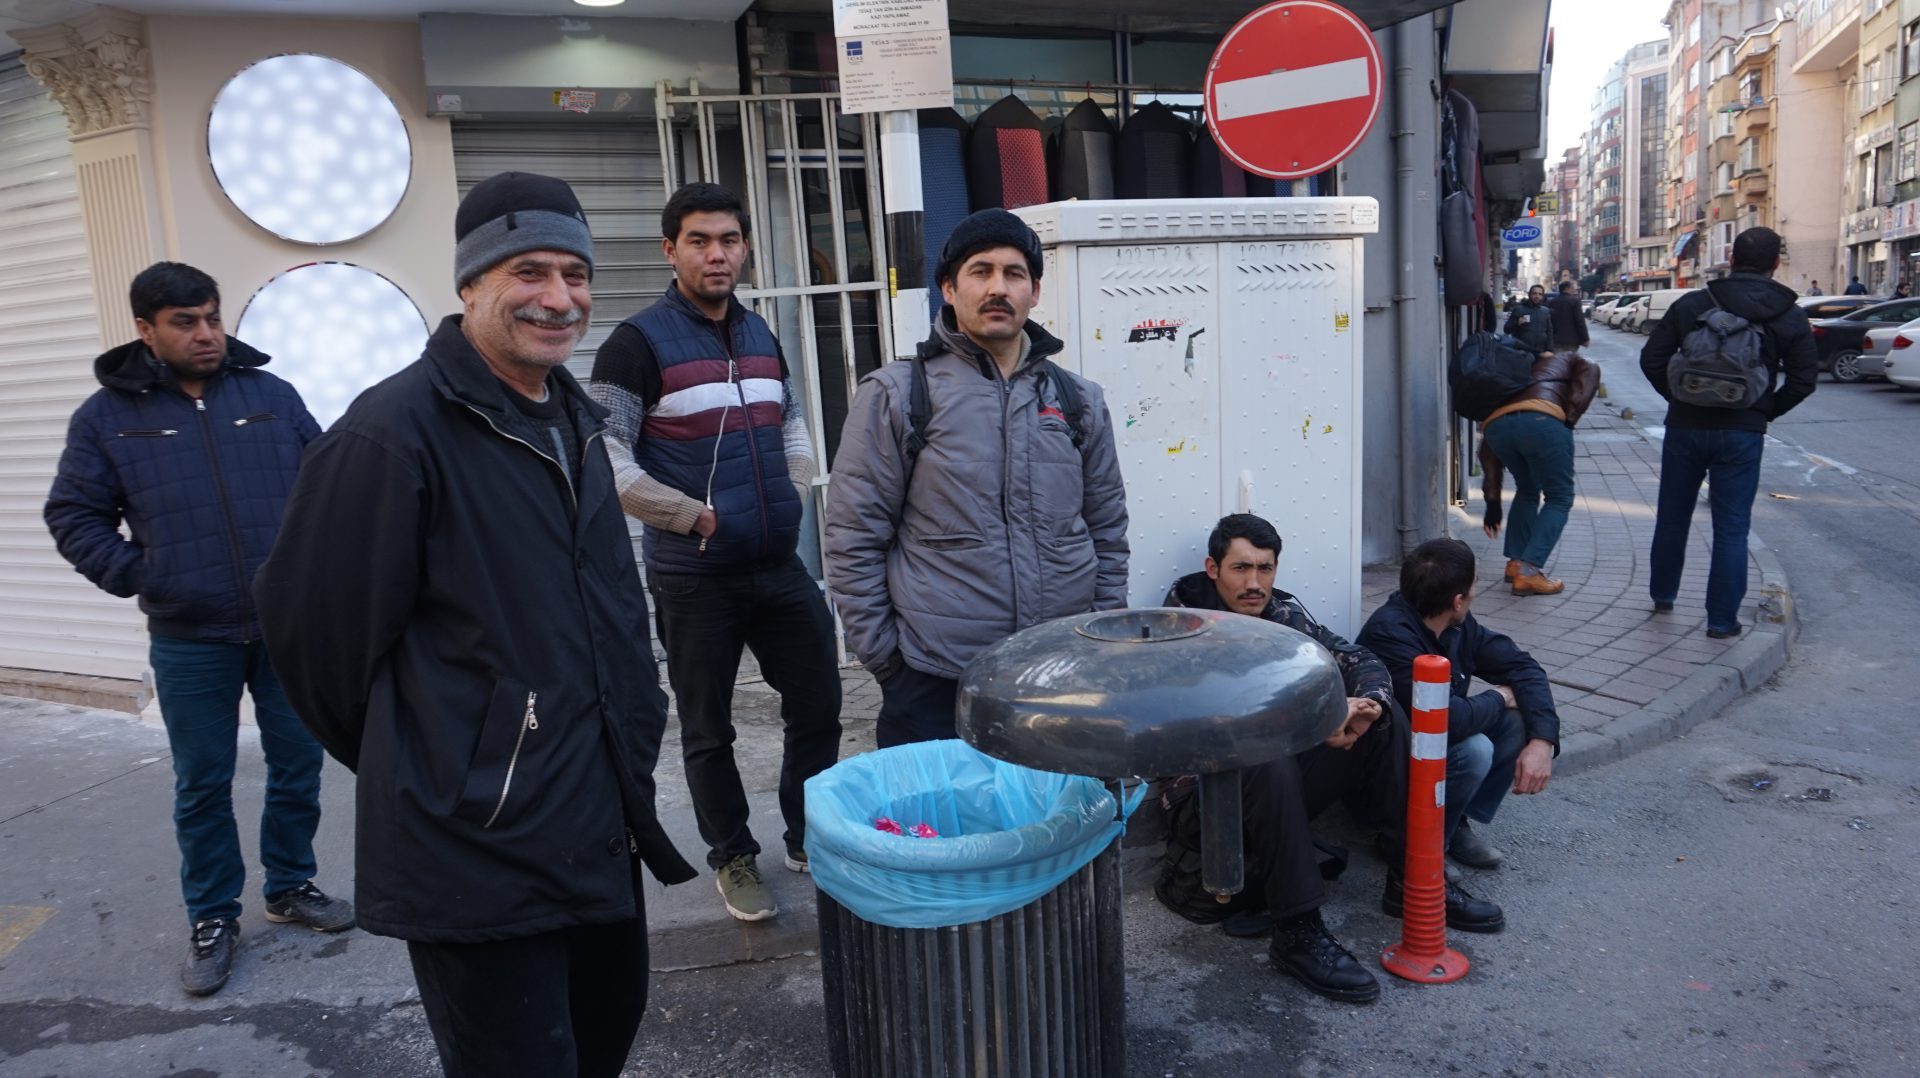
{"points": [[195, 447]]}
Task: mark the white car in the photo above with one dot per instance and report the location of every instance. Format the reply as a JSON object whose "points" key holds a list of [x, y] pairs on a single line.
{"points": [[1610, 315], [1635, 318], [1902, 363]]}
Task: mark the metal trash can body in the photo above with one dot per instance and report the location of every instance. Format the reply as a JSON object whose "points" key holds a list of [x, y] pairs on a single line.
{"points": [[1034, 993]]}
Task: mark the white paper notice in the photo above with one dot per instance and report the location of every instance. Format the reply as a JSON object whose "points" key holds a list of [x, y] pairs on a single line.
{"points": [[896, 71], [851, 17]]}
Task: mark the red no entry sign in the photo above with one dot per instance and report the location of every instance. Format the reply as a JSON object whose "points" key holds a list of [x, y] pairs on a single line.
{"points": [[1293, 88]]}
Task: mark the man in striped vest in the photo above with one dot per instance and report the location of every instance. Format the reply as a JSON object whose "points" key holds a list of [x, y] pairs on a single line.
{"points": [[710, 451]]}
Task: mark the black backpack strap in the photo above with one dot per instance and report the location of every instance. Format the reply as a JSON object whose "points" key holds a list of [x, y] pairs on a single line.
{"points": [[1071, 403], [919, 410]]}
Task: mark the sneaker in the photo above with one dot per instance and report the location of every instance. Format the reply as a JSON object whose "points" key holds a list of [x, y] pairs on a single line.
{"points": [[310, 906], [1662, 608], [1303, 947], [797, 861], [210, 955], [744, 892], [1724, 634], [1471, 850]]}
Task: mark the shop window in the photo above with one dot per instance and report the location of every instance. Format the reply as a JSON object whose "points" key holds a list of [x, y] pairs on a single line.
{"points": [[309, 149]]}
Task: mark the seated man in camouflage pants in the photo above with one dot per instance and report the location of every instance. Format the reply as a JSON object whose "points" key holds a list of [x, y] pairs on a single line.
{"points": [[1364, 763]]}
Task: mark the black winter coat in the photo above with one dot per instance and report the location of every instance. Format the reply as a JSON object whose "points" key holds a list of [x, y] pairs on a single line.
{"points": [[469, 636], [1790, 350], [1397, 635], [200, 484]]}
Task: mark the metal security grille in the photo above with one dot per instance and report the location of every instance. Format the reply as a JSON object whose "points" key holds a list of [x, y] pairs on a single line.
{"points": [[51, 618], [818, 272], [614, 167]]}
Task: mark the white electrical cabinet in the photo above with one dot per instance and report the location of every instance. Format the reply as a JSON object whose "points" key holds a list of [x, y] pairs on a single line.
{"points": [[1226, 334]]}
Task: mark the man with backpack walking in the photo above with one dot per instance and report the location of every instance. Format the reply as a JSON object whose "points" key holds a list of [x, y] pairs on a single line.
{"points": [[1729, 359], [976, 490]]}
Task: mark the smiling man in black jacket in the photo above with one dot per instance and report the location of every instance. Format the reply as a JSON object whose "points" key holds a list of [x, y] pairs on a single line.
{"points": [[454, 607]]}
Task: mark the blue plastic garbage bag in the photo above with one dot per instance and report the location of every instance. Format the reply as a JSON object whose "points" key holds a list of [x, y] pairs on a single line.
{"points": [[1007, 834]]}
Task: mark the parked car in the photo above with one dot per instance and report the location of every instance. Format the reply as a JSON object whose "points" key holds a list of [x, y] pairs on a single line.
{"points": [[1656, 307], [1881, 345], [1599, 303], [1834, 306], [1634, 318], [1839, 338], [1901, 364], [1610, 314]]}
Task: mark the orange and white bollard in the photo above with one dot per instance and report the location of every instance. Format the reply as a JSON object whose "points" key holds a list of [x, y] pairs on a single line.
{"points": [[1422, 954]]}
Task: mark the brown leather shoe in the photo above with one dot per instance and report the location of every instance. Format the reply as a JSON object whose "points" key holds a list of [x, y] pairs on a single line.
{"points": [[1537, 584], [1513, 569]]}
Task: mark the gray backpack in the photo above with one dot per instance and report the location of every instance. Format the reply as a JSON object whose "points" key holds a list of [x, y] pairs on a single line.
{"points": [[1722, 363]]}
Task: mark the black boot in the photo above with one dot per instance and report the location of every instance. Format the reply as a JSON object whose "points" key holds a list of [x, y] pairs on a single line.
{"points": [[1464, 912], [1303, 947]]}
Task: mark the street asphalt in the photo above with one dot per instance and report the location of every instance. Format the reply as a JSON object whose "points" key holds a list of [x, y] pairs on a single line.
{"points": [[1737, 900]]}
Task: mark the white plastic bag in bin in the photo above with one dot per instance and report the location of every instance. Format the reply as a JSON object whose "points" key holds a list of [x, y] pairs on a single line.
{"points": [[1007, 834]]}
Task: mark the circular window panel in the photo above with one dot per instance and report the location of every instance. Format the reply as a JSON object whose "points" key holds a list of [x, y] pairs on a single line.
{"points": [[309, 148], [333, 329]]}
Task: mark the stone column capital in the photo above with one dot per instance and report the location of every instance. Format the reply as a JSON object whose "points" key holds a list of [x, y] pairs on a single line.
{"points": [[97, 67]]}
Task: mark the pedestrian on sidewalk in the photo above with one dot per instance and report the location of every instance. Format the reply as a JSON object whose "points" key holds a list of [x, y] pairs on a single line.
{"points": [[193, 447], [1855, 288], [711, 453], [454, 605], [977, 490], [1363, 764], [1531, 321], [1532, 436], [1771, 359], [1499, 740], [1814, 289], [1569, 321]]}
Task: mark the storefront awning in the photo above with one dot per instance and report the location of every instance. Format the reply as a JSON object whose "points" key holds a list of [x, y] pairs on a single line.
{"points": [[1681, 245], [1137, 16]]}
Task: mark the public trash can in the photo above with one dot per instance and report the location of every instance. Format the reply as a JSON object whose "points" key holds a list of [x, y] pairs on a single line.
{"points": [[992, 949]]}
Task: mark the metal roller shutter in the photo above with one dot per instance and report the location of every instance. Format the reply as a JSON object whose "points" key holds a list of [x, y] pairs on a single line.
{"points": [[615, 169], [51, 618]]}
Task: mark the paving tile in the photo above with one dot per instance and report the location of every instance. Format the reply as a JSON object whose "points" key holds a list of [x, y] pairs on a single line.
{"points": [[1628, 690]]}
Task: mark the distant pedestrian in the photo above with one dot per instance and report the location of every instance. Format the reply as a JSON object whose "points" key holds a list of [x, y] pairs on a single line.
{"points": [[1530, 322], [977, 489], [1718, 438], [1499, 740], [711, 452], [1569, 321], [454, 604], [194, 448], [1814, 289], [1855, 288], [1902, 290], [1532, 435]]}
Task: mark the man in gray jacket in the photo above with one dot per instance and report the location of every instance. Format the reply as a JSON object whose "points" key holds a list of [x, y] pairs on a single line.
{"points": [[976, 490]]}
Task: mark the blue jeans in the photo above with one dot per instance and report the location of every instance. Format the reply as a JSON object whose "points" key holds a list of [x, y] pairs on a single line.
{"points": [[1480, 770], [1729, 460], [1538, 450], [199, 683]]}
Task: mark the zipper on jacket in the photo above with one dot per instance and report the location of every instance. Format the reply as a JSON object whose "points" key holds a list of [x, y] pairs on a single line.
{"points": [[261, 417], [1006, 485], [587, 444], [633, 844], [147, 433], [753, 448], [529, 721], [226, 509]]}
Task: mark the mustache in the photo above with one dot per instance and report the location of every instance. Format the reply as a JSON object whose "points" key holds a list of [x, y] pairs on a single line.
{"points": [[996, 305], [533, 312]]}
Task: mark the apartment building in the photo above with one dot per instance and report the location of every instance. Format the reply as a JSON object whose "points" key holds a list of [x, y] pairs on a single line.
{"points": [[1871, 174], [1646, 265]]}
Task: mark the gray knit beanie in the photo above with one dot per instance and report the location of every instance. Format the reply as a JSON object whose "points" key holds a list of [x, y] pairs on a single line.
{"points": [[513, 213]]}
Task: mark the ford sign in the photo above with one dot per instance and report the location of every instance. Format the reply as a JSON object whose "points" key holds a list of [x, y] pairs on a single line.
{"points": [[1523, 234]]}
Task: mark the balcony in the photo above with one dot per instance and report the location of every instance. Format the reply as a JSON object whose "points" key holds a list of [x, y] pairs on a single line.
{"points": [[1829, 35], [1753, 184], [1757, 116]]}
